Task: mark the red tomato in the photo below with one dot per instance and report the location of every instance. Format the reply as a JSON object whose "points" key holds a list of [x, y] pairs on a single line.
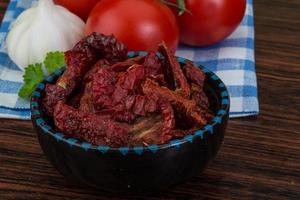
{"points": [[81, 8], [211, 20], [140, 24]]}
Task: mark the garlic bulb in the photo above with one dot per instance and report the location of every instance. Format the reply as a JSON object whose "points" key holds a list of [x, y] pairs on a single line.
{"points": [[41, 29]]}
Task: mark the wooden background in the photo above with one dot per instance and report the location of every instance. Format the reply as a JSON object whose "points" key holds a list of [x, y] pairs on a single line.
{"points": [[260, 158]]}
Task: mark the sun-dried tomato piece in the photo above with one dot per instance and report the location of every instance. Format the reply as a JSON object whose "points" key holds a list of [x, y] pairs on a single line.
{"points": [[151, 104], [173, 73], [150, 130], [152, 64], [167, 113], [98, 130], [113, 91], [102, 63], [119, 116], [182, 122], [76, 66], [199, 96], [102, 46], [181, 133], [138, 108], [124, 116], [54, 94], [74, 100], [146, 130], [194, 74], [103, 86], [86, 101], [110, 88], [118, 96], [129, 102], [183, 105], [135, 74], [123, 66], [202, 101]]}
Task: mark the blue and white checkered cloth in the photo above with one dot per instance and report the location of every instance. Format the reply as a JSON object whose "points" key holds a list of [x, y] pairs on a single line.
{"points": [[232, 60]]}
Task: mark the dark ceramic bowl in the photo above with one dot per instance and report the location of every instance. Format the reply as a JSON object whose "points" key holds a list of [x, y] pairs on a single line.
{"points": [[140, 169]]}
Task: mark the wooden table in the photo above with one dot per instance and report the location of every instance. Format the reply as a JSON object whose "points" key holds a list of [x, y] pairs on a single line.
{"points": [[260, 157]]}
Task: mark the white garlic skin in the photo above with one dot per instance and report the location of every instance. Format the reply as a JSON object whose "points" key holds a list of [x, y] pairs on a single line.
{"points": [[41, 29]]}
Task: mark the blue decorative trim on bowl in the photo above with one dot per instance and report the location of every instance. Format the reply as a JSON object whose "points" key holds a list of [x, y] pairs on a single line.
{"points": [[214, 77], [199, 133], [34, 104], [181, 59], [45, 129], [225, 101], [217, 120], [176, 143], [59, 71], [37, 116], [59, 136], [86, 145], [153, 148], [209, 127], [205, 70], [124, 150], [36, 94], [189, 138], [221, 85], [131, 54], [39, 121], [224, 94], [71, 141], [141, 53], [41, 86], [103, 149], [35, 112], [49, 78], [138, 150], [221, 112]]}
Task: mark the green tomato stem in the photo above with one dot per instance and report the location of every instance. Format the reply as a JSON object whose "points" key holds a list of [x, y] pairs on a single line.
{"points": [[180, 6]]}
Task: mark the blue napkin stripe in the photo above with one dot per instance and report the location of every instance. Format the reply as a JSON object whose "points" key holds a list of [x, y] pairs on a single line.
{"points": [[10, 87], [14, 113], [248, 91], [228, 64]]}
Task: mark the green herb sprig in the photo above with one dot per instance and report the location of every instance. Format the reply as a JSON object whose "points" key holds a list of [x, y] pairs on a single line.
{"points": [[34, 73]]}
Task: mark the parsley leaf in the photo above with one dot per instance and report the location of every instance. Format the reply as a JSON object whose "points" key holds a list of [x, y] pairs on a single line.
{"points": [[34, 73], [32, 77], [54, 61]]}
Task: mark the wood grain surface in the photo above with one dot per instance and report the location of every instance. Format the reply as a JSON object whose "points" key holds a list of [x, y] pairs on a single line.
{"points": [[260, 157]]}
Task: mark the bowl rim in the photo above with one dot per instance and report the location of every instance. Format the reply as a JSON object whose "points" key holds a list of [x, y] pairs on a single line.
{"points": [[41, 123]]}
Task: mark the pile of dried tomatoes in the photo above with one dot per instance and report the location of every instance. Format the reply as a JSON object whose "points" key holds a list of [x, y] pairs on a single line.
{"points": [[106, 98]]}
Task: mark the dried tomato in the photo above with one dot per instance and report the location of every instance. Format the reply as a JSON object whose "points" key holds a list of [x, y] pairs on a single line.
{"points": [[173, 72], [96, 129]]}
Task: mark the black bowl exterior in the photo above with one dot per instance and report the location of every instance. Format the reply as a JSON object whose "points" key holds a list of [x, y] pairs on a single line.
{"points": [[152, 168]]}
